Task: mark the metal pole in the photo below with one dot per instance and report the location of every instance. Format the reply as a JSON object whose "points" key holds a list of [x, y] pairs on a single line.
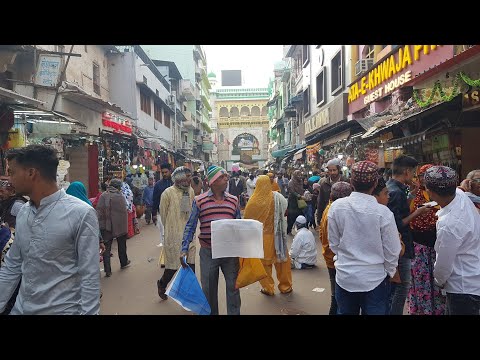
{"points": [[60, 78]]}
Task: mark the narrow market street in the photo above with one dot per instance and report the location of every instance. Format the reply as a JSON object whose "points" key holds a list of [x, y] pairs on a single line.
{"points": [[133, 291]]}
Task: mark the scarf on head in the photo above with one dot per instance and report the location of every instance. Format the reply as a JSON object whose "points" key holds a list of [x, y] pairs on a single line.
{"points": [[296, 183], [427, 221], [78, 190]]}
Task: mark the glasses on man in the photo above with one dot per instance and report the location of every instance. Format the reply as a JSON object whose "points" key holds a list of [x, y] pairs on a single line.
{"points": [[476, 180]]}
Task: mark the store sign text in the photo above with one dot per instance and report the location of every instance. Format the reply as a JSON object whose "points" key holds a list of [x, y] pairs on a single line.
{"points": [[392, 85], [320, 119], [116, 122], [383, 72]]}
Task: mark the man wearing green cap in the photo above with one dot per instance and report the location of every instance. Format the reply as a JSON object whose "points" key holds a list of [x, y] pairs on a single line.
{"points": [[215, 204]]}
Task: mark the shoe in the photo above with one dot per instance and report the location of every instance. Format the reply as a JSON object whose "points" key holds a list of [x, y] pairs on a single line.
{"points": [[162, 266], [124, 266], [265, 292], [288, 291], [161, 291], [108, 274], [148, 222]]}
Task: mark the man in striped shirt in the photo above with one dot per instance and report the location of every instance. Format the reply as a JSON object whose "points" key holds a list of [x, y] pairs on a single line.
{"points": [[216, 204]]}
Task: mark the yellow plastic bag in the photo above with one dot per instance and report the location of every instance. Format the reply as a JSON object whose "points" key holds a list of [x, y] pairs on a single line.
{"points": [[251, 271]]}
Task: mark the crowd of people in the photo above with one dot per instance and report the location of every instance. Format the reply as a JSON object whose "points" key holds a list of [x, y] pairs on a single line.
{"points": [[415, 235]]}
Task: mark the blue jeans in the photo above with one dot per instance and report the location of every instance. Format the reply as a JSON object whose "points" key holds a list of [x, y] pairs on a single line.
{"points": [[209, 272], [463, 304], [399, 292], [373, 302]]}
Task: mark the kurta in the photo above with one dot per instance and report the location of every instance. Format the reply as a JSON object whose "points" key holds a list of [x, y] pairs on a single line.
{"points": [[174, 222]]}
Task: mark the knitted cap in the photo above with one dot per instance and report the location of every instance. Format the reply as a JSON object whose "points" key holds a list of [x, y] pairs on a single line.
{"points": [[214, 172]]}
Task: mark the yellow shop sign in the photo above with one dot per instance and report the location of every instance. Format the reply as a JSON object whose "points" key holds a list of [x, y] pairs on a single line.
{"points": [[381, 80]]}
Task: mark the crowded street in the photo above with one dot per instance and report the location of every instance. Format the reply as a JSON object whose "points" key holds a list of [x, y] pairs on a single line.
{"points": [[227, 180], [133, 291]]}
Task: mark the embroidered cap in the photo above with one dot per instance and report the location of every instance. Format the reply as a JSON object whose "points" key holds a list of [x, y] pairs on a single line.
{"points": [[341, 189], [365, 172], [441, 177]]}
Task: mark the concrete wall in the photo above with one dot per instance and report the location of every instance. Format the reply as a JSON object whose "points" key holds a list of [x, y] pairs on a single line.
{"points": [[122, 81], [182, 55], [80, 69]]}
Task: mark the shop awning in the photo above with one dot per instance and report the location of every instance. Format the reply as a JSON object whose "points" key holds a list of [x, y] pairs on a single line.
{"points": [[299, 154], [413, 139], [34, 115], [19, 98], [390, 121], [339, 137], [281, 152]]}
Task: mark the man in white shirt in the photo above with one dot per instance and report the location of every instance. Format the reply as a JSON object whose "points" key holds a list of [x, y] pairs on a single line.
{"points": [[457, 266], [250, 186], [363, 236], [304, 250]]}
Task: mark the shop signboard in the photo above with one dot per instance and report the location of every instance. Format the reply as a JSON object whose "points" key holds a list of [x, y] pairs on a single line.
{"points": [[116, 122], [48, 70], [395, 71]]}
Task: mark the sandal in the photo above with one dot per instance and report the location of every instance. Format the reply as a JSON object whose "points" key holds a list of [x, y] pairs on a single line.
{"points": [[265, 292], [288, 291]]}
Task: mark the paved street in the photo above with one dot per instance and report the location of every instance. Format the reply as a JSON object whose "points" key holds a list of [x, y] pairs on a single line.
{"points": [[133, 291]]}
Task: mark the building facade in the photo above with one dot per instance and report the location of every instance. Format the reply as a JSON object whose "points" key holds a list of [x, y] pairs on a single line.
{"points": [[242, 126]]}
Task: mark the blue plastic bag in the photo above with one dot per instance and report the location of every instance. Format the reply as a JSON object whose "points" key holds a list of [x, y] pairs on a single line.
{"points": [[185, 290]]}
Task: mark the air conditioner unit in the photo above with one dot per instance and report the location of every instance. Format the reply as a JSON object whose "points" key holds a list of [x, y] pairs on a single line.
{"points": [[362, 66]]}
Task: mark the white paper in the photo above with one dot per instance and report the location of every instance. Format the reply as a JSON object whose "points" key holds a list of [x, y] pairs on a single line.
{"points": [[239, 237], [431, 203], [318, 290]]}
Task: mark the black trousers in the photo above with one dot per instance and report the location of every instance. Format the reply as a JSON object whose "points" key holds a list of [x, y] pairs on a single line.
{"points": [[168, 275], [122, 251], [463, 304], [333, 301]]}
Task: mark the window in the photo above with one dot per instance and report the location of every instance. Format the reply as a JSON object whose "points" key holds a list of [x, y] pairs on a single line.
{"points": [[167, 120], [145, 80], [321, 87], [368, 52], [157, 112], [96, 78], [306, 101], [145, 103], [157, 93], [337, 72], [306, 54]]}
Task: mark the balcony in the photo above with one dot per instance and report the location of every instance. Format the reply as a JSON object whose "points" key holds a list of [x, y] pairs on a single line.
{"points": [[187, 90], [190, 123], [187, 146]]}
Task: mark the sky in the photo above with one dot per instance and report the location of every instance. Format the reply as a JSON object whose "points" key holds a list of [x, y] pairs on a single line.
{"points": [[255, 61]]}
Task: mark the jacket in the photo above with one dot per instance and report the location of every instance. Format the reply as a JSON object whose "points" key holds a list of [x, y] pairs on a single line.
{"points": [[112, 212], [324, 195]]}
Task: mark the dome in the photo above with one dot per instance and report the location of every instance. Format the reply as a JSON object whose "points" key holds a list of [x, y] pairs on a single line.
{"points": [[212, 75]]}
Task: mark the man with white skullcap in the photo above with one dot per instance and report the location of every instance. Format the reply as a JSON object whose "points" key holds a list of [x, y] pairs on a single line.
{"points": [[304, 250], [457, 266], [334, 175]]}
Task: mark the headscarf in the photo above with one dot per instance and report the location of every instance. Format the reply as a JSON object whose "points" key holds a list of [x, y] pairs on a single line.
{"points": [[128, 194], [427, 221], [78, 190], [295, 185], [441, 177], [315, 185], [275, 186], [422, 171], [116, 183], [341, 189], [261, 206], [364, 172]]}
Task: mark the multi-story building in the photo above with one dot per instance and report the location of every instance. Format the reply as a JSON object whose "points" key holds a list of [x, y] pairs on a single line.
{"points": [[192, 65], [242, 126], [61, 95], [142, 90]]}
